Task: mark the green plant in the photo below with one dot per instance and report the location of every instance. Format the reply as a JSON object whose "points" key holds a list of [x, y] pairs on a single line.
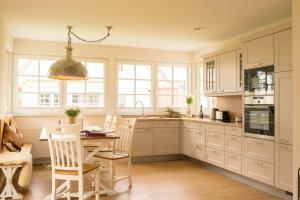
{"points": [[72, 111], [172, 113], [189, 99]]}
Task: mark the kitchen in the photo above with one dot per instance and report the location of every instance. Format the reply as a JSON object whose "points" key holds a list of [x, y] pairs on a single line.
{"points": [[247, 143]]}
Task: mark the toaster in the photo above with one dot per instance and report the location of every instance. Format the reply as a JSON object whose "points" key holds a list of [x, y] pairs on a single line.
{"points": [[222, 116]]}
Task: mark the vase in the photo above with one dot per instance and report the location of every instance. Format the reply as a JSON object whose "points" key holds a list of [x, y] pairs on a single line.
{"points": [[72, 120], [189, 110]]}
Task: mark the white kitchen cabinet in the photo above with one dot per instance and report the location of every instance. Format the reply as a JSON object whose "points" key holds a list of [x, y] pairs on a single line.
{"points": [[142, 144], [233, 162], [199, 152], [233, 144], [199, 136], [284, 107], [166, 141], [259, 52], [258, 170], [240, 70], [284, 167], [215, 140], [236, 131], [283, 51], [167, 124], [215, 157], [227, 72], [215, 128], [210, 75], [259, 149], [187, 144]]}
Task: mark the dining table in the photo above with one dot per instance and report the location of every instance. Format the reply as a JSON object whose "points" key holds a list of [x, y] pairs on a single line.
{"points": [[99, 139]]}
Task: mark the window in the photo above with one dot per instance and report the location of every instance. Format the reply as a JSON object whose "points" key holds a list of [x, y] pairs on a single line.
{"points": [[172, 86], [134, 84], [89, 93], [34, 88]]}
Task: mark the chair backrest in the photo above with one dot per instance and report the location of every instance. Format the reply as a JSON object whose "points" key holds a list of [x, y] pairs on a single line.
{"points": [[110, 122], [65, 148], [124, 129]]}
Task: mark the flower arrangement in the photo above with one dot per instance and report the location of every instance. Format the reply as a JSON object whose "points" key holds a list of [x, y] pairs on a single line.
{"points": [[189, 99], [72, 112]]}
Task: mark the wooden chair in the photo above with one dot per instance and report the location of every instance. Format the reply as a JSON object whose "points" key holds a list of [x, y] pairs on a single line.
{"points": [[121, 151], [67, 163]]}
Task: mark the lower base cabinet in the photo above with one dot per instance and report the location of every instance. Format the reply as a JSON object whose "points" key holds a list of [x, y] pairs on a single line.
{"points": [[166, 141], [199, 152], [284, 167], [233, 162], [258, 170], [215, 157], [142, 144]]}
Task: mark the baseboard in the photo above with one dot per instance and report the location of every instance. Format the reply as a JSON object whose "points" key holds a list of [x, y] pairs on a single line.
{"points": [[248, 181], [157, 158]]}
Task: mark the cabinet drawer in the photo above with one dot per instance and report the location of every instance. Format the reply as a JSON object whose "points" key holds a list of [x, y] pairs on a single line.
{"points": [[215, 157], [233, 131], [215, 140], [215, 128], [143, 124], [199, 126], [167, 124], [199, 152], [233, 144], [187, 124], [233, 162], [259, 149], [258, 170], [199, 137]]}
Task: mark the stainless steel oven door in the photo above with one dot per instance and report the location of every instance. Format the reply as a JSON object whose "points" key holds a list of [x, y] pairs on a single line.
{"points": [[259, 121]]}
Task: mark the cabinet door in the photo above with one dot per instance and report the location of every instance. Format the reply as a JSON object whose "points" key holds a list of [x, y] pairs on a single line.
{"points": [[215, 157], [142, 144], [259, 52], [210, 75], [283, 51], [233, 131], [215, 140], [233, 162], [187, 145], [259, 149], [166, 141], [284, 108], [199, 137], [240, 70], [233, 144], [284, 167], [227, 73], [199, 152], [258, 170]]}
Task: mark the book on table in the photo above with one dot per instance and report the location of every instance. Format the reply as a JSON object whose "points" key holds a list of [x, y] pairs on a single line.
{"points": [[95, 131]]}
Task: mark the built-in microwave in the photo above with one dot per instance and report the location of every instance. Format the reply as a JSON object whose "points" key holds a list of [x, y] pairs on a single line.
{"points": [[259, 117], [259, 81]]}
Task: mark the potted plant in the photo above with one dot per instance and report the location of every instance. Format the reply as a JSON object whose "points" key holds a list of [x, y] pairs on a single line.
{"points": [[189, 102], [72, 112]]}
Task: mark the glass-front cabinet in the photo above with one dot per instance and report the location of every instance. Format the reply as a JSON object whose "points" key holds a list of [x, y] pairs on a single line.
{"points": [[210, 75]]}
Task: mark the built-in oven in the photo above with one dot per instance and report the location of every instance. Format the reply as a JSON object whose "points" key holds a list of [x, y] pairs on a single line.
{"points": [[259, 81], [259, 117]]}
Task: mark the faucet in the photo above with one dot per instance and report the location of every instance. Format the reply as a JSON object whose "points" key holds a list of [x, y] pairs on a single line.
{"points": [[139, 102]]}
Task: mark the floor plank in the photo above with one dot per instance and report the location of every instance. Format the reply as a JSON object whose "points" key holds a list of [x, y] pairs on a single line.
{"points": [[172, 180]]}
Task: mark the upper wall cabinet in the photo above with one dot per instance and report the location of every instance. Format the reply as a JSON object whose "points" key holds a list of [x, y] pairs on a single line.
{"points": [[210, 75], [227, 72], [283, 51], [240, 72], [259, 52]]}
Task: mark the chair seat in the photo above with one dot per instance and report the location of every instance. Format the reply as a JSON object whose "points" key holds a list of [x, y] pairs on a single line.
{"points": [[112, 155], [86, 169]]}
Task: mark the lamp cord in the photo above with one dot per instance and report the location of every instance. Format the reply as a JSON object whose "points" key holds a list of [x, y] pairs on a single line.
{"points": [[91, 41]]}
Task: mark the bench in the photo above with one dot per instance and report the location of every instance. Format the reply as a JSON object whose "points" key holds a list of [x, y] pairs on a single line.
{"points": [[9, 190]]}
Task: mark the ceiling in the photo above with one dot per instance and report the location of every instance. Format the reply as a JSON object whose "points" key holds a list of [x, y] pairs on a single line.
{"points": [[159, 24]]}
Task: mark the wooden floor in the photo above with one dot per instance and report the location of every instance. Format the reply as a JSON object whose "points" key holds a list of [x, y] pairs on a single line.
{"points": [[172, 180]]}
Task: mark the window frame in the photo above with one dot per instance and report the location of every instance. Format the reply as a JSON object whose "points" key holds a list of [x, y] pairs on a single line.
{"points": [[134, 110], [62, 93]]}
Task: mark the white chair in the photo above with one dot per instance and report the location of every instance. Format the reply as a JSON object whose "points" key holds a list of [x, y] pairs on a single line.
{"points": [[121, 151], [66, 161], [110, 122]]}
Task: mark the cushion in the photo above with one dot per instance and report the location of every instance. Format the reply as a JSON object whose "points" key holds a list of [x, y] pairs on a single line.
{"points": [[10, 135], [14, 125]]}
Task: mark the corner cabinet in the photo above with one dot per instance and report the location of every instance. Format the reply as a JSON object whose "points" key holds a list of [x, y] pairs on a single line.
{"points": [[210, 75], [259, 52]]}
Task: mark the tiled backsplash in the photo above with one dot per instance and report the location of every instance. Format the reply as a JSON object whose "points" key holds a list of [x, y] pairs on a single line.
{"points": [[233, 104]]}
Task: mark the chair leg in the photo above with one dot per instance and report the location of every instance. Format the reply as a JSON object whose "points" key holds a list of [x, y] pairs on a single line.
{"points": [[53, 193], [111, 176], [80, 188], [129, 173], [97, 184], [69, 190]]}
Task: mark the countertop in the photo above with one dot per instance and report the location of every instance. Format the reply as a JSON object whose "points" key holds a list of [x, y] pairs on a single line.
{"points": [[192, 119]]}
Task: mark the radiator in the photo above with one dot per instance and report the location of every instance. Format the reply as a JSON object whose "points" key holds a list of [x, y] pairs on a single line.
{"points": [[31, 135]]}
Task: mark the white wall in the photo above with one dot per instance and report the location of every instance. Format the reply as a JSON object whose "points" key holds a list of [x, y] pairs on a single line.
{"points": [[6, 44], [296, 92]]}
